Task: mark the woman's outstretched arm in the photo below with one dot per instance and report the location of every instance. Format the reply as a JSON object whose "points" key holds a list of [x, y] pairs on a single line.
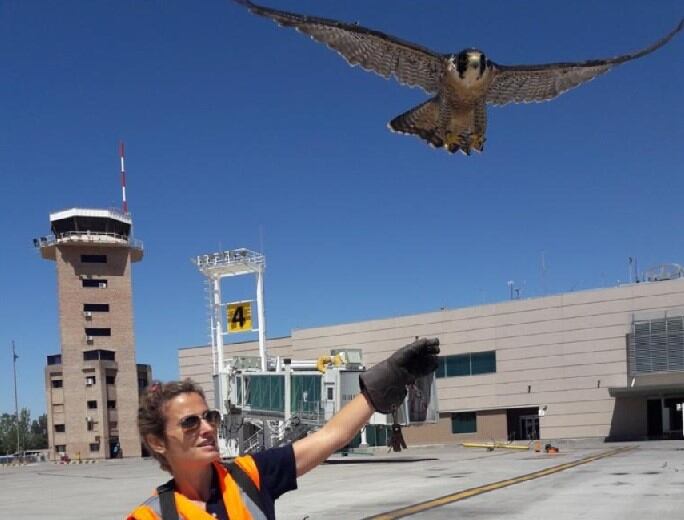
{"points": [[337, 433]]}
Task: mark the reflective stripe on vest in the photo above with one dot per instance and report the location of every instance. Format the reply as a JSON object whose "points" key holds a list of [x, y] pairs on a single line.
{"points": [[234, 495], [147, 511], [238, 504], [252, 508], [154, 505]]}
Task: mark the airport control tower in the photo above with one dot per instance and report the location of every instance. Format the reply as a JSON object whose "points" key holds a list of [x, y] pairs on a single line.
{"points": [[92, 385]]}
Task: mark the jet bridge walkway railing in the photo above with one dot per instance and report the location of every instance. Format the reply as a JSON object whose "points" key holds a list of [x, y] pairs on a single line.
{"points": [[281, 433], [253, 443], [309, 412], [291, 431]]}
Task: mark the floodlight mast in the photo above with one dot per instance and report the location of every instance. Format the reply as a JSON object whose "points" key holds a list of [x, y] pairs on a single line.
{"points": [[215, 267]]}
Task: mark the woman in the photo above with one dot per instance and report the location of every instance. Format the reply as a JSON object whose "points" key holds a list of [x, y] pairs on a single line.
{"points": [[180, 431]]}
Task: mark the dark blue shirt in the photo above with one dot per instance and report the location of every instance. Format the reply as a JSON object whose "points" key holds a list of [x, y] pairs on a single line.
{"points": [[277, 475]]}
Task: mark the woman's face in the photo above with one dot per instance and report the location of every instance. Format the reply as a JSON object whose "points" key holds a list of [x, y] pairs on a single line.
{"points": [[184, 446]]}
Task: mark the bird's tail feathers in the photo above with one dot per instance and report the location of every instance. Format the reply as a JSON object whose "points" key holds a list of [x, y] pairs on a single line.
{"points": [[422, 121]]}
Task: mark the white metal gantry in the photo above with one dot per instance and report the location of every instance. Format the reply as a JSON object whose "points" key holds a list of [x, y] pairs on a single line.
{"points": [[215, 267]]}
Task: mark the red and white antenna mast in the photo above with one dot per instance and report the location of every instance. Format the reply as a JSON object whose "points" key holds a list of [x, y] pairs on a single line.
{"points": [[124, 204]]}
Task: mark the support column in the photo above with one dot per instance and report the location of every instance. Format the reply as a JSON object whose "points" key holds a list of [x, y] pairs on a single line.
{"points": [[364, 438], [266, 432], [218, 325], [261, 317], [666, 416], [287, 393]]}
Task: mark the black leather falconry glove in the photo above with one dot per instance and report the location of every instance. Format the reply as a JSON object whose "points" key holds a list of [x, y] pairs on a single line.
{"points": [[384, 385]]}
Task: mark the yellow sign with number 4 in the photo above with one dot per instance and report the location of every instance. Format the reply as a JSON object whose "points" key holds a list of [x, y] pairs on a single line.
{"points": [[239, 316]]}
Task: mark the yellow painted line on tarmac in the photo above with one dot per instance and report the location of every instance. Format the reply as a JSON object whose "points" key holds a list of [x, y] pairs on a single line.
{"points": [[462, 495]]}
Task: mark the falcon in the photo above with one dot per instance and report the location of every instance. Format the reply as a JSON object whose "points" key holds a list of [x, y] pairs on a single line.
{"points": [[462, 84]]}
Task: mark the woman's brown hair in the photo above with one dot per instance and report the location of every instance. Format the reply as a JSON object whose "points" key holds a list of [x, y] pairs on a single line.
{"points": [[151, 413]]}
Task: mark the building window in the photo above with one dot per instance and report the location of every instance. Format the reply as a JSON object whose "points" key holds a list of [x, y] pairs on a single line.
{"points": [[95, 307], [463, 422], [470, 364], [482, 363], [458, 365], [55, 359], [93, 259], [98, 331], [60, 428], [60, 448], [441, 367], [94, 284], [57, 383], [91, 425], [111, 405], [92, 405], [111, 380], [113, 425], [264, 392], [94, 355], [90, 380], [94, 446]]}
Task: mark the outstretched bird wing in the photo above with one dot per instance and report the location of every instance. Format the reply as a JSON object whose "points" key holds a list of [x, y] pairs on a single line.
{"points": [[529, 83], [386, 55]]}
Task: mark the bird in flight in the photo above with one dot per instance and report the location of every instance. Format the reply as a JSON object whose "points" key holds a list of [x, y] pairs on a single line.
{"points": [[462, 84]]}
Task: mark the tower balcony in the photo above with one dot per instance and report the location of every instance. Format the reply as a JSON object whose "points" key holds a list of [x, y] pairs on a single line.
{"points": [[89, 227]]}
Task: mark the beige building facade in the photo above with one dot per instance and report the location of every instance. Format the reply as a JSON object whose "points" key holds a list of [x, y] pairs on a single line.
{"points": [[92, 385], [604, 363]]}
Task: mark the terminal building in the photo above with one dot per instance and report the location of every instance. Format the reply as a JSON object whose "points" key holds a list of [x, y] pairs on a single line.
{"points": [[92, 385], [605, 363]]}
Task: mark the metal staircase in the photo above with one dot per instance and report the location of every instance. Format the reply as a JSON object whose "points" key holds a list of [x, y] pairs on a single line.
{"points": [[281, 433]]}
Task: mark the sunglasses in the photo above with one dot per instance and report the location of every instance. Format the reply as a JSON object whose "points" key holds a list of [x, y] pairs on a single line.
{"points": [[193, 422]]}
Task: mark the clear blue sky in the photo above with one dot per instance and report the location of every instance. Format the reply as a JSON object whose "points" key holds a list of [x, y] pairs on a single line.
{"points": [[234, 125]]}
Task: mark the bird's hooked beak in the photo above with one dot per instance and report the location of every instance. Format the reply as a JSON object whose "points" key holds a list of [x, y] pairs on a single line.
{"points": [[477, 60], [474, 60]]}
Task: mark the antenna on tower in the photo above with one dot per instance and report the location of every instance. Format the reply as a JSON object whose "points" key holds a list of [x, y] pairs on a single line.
{"points": [[124, 203]]}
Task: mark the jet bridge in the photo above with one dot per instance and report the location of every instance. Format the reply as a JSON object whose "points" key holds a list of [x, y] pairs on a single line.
{"points": [[264, 409]]}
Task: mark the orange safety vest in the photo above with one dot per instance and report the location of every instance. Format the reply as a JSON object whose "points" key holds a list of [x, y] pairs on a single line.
{"points": [[239, 505]]}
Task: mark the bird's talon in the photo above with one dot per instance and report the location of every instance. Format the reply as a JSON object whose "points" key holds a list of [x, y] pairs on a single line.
{"points": [[477, 141]]}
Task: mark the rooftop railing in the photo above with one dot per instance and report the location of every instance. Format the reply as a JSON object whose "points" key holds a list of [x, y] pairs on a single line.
{"points": [[87, 236]]}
